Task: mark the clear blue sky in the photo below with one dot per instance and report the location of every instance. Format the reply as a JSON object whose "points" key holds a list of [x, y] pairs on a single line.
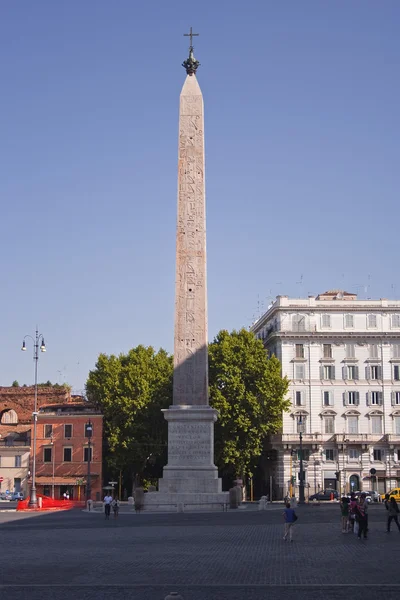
{"points": [[302, 147]]}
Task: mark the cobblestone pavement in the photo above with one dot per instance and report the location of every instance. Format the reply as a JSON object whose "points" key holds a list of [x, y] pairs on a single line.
{"points": [[239, 554]]}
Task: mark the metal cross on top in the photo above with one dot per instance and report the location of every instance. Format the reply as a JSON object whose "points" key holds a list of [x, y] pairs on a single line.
{"points": [[191, 35]]}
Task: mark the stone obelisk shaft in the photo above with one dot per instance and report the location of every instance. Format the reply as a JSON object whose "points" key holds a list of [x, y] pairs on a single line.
{"points": [[190, 344]]}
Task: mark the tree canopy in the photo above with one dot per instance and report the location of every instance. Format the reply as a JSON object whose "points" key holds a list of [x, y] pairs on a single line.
{"points": [[131, 389], [247, 389]]}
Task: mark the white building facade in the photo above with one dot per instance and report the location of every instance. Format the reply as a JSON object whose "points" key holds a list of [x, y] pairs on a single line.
{"points": [[342, 356]]}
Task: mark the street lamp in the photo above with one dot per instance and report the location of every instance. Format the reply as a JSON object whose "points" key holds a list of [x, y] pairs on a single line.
{"points": [[53, 453], [38, 342], [88, 434], [300, 429]]}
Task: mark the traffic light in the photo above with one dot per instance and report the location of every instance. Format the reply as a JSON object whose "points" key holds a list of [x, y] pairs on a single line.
{"points": [[293, 480], [337, 473]]}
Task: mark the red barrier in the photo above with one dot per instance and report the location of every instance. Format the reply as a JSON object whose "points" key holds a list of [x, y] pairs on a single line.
{"points": [[50, 504]]}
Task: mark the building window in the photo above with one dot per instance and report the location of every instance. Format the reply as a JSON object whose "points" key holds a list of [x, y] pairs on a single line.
{"points": [[352, 372], [67, 455], [377, 454], [373, 372], [48, 431], [349, 321], [373, 351], [371, 322], [68, 431], [327, 398], [327, 349], [86, 454], [350, 351], [328, 372], [17, 484], [397, 425], [326, 321], [299, 350], [47, 454], [9, 417], [299, 372], [396, 351], [299, 398], [329, 454], [354, 454], [329, 425], [17, 459], [376, 425], [395, 321], [306, 454], [396, 372], [374, 398], [376, 372], [0, 466], [298, 322], [352, 424], [352, 398], [396, 398]]}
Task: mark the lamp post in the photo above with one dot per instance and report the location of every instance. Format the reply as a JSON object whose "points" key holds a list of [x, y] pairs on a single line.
{"points": [[88, 434], [53, 450], [300, 428], [38, 342]]}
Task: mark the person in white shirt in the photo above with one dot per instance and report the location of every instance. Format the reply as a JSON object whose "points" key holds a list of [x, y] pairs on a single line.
{"points": [[107, 505]]}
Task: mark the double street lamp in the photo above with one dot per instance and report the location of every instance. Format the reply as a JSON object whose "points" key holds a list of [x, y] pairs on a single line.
{"points": [[88, 434], [38, 343], [300, 429]]}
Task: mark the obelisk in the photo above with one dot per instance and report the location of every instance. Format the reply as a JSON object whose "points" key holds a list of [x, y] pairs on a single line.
{"points": [[190, 476]]}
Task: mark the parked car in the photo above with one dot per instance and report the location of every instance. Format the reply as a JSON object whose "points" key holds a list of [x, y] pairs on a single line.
{"points": [[395, 492], [5, 496], [325, 495], [357, 494], [375, 496], [17, 496]]}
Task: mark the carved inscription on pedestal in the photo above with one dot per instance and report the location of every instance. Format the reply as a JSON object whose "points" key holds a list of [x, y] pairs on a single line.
{"points": [[190, 444], [190, 344]]}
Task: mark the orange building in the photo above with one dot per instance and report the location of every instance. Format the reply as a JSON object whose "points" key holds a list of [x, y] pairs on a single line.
{"points": [[16, 408], [62, 450]]}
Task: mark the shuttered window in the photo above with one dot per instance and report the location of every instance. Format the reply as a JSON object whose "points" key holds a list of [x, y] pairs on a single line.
{"points": [[352, 424]]}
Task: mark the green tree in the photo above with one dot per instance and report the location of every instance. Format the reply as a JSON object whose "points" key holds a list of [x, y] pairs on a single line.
{"points": [[249, 392], [130, 390], [15, 383]]}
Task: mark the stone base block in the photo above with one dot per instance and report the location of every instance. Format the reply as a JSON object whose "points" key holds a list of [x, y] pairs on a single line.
{"points": [[170, 502]]}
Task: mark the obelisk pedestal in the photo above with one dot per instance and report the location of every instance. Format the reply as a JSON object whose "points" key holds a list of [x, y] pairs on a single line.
{"points": [[190, 477]]}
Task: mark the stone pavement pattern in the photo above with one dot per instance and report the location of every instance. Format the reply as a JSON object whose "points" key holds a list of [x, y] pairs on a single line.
{"points": [[215, 555]]}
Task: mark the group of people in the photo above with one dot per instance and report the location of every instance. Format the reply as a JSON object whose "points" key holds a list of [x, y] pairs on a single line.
{"points": [[111, 503], [355, 515], [354, 512]]}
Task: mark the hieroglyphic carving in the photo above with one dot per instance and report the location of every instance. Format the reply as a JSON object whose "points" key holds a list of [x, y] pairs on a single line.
{"points": [[190, 346]]}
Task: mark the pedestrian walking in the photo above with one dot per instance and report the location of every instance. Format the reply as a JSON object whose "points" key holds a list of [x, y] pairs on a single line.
{"points": [[115, 507], [393, 509], [107, 505], [352, 511], [344, 509], [364, 503], [361, 520], [290, 519]]}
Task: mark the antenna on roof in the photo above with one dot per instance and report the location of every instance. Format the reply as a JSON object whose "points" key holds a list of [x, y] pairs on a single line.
{"points": [[301, 285]]}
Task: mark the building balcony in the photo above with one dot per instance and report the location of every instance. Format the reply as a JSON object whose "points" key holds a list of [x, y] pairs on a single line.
{"points": [[294, 438], [10, 443], [393, 438], [359, 438]]}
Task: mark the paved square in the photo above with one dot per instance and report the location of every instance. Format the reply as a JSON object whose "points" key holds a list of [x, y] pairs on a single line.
{"points": [[239, 554]]}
